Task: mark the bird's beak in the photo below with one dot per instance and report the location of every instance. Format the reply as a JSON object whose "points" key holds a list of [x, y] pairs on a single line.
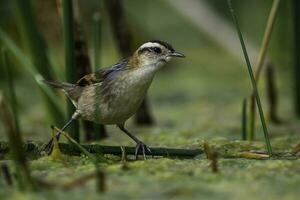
{"points": [[177, 54]]}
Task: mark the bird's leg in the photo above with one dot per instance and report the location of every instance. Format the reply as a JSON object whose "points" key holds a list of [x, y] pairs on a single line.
{"points": [[49, 146], [140, 146]]}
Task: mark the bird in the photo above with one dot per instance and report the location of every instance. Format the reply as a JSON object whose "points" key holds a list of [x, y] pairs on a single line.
{"points": [[111, 95]]}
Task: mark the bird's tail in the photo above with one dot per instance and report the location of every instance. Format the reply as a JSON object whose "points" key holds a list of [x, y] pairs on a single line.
{"points": [[73, 91]]}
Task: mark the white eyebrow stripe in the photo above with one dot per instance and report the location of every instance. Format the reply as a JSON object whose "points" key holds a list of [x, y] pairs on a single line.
{"points": [[149, 45]]}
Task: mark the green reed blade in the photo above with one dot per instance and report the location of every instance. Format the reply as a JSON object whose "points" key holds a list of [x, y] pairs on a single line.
{"points": [[51, 102], [10, 117], [36, 50], [31, 38], [255, 90]]}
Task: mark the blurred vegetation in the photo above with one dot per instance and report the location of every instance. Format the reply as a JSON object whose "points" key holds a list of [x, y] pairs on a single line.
{"points": [[154, 22], [195, 99]]}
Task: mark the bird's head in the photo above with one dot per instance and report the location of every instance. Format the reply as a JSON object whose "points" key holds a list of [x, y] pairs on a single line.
{"points": [[155, 53]]}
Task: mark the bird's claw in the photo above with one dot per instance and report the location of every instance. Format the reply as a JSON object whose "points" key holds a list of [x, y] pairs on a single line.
{"points": [[47, 147], [142, 148]]}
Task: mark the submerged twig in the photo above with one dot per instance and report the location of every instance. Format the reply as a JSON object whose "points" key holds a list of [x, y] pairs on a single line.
{"points": [[254, 85], [34, 148]]}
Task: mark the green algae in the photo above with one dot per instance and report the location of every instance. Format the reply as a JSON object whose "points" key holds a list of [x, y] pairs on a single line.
{"points": [[165, 178]]}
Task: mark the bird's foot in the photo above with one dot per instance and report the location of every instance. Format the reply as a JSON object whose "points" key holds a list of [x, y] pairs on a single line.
{"points": [[143, 149], [48, 147]]}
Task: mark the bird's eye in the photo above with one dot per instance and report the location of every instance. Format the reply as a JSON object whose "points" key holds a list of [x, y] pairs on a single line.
{"points": [[157, 50]]}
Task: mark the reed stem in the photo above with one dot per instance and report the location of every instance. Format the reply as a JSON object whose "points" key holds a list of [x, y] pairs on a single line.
{"points": [[296, 7], [123, 37], [97, 35], [100, 130], [272, 94], [244, 119], [70, 66]]}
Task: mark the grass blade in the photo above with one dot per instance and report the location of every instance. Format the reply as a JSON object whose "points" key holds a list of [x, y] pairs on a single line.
{"points": [[10, 118], [37, 60], [255, 90], [31, 38], [51, 102]]}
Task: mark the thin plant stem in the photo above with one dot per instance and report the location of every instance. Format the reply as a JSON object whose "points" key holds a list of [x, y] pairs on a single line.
{"points": [[255, 90], [266, 39], [71, 140], [260, 62], [244, 119]]}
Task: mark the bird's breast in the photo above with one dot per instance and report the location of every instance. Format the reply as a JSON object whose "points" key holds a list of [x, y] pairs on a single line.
{"points": [[117, 98]]}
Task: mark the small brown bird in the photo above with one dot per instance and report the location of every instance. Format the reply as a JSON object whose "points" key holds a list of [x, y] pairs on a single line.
{"points": [[112, 95]]}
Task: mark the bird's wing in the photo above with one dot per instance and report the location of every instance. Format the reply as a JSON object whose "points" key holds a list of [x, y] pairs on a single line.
{"points": [[101, 74]]}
